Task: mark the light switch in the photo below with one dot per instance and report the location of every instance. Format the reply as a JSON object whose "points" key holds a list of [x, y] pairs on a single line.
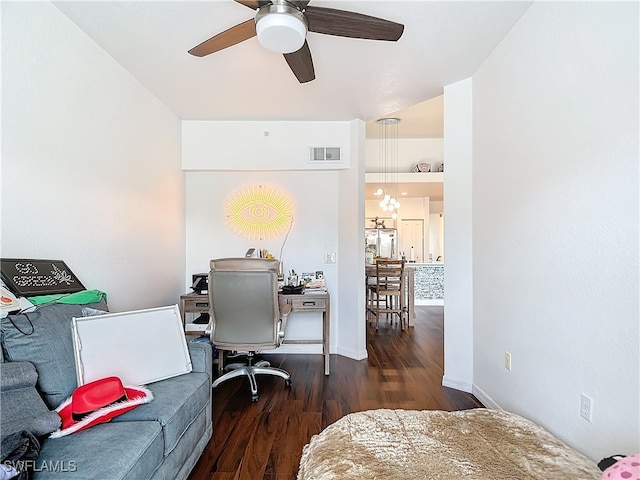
{"points": [[330, 257]]}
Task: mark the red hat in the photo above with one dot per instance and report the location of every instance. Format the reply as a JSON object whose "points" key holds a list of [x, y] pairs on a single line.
{"points": [[98, 402]]}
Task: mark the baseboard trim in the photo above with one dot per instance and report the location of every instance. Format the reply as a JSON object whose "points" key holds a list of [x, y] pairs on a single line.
{"points": [[485, 399], [353, 354], [457, 383]]}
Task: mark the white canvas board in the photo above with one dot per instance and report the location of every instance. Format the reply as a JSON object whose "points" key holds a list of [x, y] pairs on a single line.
{"points": [[139, 347]]}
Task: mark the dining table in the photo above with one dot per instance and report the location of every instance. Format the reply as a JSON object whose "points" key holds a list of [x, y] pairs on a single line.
{"points": [[409, 276]]}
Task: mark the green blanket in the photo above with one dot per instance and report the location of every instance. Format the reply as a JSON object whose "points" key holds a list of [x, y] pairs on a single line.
{"points": [[78, 298]]}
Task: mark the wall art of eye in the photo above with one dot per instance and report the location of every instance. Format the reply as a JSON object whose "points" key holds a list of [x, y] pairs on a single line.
{"points": [[258, 212]]}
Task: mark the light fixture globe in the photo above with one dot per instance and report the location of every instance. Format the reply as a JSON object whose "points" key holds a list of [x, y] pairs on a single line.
{"points": [[281, 28]]}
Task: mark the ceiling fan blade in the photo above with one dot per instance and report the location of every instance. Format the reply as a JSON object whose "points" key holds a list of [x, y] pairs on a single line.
{"points": [[228, 38], [254, 4], [301, 64], [331, 21]]}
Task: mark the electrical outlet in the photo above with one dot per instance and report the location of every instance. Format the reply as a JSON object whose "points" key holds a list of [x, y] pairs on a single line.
{"points": [[507, 360], [585, 407]]}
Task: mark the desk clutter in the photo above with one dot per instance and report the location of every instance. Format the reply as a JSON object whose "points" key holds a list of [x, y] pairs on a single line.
{"points": [[304, 282], [26, 283], [291, 290]]}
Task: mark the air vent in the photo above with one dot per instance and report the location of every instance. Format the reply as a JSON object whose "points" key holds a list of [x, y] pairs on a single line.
{"points": [[325, 154]]}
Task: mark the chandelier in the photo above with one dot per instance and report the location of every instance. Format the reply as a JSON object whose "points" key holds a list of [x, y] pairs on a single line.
{"points": [[388, 164]]}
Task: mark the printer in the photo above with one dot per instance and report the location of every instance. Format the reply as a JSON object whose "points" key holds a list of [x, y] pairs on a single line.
{"points": [[200, 283]]}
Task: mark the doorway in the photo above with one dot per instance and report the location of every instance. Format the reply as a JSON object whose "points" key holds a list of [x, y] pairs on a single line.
{"points": [[412, 239]]}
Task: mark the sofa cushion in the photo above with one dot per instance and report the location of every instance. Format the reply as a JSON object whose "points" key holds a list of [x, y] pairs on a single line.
{"points": [[176, 404], [43, 337], [114, 451]]}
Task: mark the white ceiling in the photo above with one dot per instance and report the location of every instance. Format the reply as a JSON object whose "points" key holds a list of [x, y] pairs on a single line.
{"points": [[422, 120], [443, 42]]}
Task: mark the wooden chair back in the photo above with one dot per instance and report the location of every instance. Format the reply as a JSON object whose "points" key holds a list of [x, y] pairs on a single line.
{"points": [[389, 276], [386, 295]]}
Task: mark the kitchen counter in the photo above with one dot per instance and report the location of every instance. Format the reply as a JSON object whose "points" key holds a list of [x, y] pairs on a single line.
{"points": [[429, 283]]}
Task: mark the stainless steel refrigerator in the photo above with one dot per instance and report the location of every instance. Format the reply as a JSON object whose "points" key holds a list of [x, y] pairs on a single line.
{"points": [[380, 242]]}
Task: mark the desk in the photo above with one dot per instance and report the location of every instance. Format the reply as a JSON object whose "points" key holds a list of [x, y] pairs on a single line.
{"points": [[193, 303], [409, 273], [310, 302]]}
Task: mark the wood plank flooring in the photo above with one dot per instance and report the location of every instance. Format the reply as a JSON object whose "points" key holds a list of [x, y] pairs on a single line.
{"points": [[264, 439]]}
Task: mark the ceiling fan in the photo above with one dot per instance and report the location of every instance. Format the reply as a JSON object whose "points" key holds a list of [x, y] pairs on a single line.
{"points": [[282, 25]]}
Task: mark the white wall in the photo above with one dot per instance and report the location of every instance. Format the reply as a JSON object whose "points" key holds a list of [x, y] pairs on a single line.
{"points": [[262, 145], [555, 222], [436, 230], [411, 151], [90, 163], [458, 305], [328, 205], [351, 335]]}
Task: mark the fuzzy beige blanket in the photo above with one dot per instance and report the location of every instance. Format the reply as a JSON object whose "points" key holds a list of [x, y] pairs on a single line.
{"points": [[477, 444]]}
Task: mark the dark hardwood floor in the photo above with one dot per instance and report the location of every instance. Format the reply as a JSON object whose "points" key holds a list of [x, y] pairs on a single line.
{"points": [[264, 439]]}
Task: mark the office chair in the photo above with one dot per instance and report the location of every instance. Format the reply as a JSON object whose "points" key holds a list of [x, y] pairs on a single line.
{"points": [[245, 315]]}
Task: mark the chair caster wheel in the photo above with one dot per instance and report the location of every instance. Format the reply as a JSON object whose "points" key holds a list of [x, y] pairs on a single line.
{"points": [[287, 382], [254, 398]]}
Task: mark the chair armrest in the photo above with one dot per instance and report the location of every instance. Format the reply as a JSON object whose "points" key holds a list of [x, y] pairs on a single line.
{"points": [[201, 357], [285, 310]]}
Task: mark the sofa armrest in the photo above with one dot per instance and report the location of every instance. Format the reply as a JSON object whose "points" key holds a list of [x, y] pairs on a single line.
{"points": [[22, 406], [17, 375], [201, 357]]}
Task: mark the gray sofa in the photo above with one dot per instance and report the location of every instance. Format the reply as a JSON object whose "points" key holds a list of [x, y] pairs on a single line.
{"points": [[162, 439]]}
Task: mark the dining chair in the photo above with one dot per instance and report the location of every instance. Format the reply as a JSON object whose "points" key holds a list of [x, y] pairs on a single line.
{"points": [[371, 286], [386, 295]]}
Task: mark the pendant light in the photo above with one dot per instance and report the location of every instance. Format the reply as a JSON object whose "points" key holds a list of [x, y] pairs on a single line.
{"points": [[388, 161]]}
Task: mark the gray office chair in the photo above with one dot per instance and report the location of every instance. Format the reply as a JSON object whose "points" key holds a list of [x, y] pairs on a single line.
{"points": [[245, 315]]}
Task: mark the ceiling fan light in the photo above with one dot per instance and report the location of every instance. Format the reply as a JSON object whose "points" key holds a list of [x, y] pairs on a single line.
{"points": [[281, 29]]}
